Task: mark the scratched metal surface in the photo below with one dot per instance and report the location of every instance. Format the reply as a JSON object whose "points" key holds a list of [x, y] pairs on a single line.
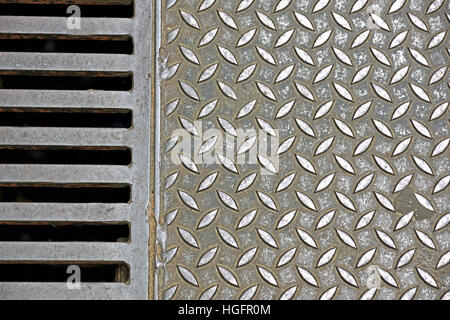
{"points": [[356, 93]]}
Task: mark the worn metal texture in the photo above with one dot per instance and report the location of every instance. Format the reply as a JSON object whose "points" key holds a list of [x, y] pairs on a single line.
{"points": [[354, 204], [135, 252]]}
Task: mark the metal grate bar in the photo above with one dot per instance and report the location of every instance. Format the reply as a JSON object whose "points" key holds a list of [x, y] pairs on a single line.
{"points": [[86, 212], [52, 25], [79, 2], [65, 62], [55, 291], [41, 251], [64, 136], [79, 99]]}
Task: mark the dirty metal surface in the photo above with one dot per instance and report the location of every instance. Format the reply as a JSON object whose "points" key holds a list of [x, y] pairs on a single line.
{"points": [[355, 202], [133, 253]]}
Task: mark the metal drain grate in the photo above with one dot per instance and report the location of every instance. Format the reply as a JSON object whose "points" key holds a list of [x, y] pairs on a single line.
{"points": [[74, 148], [352, 199]]}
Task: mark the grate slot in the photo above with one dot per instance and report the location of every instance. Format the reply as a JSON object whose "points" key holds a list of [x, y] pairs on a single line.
{"points": [[66, 44], [65, 193], [89, 9], [58, 272], [62, 80], [64, 231], [65, 155], [61, 117]]}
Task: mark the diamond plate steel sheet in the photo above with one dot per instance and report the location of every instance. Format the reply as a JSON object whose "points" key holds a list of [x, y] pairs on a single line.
{"points": [[326, 129]]}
